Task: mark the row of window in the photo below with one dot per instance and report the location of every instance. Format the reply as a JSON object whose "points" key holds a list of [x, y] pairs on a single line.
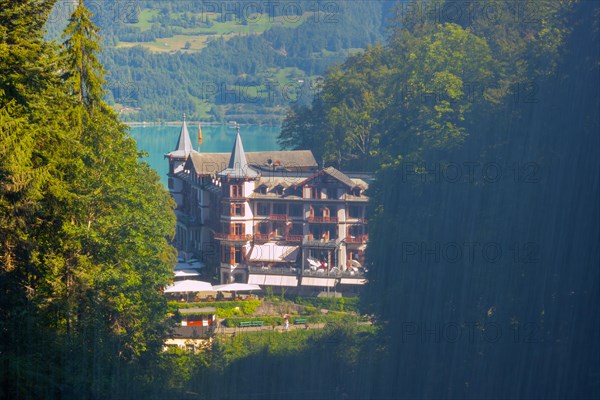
{"points": [[280, 228], [236, 191], [291, 210]]}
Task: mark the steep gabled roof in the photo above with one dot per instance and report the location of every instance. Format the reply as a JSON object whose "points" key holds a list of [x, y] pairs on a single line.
{"points": [[238, 164], [340, 176], [334, 173]]}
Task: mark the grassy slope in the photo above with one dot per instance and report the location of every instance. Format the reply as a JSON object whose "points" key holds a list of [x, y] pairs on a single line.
{"points": [[199, 36]]}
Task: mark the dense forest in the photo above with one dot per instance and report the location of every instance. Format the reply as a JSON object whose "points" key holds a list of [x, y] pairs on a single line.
{"points": [[250, 66], [481, 128]]}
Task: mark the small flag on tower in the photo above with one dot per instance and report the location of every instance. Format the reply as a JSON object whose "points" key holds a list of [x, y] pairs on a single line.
{"points": [[199, 134]]}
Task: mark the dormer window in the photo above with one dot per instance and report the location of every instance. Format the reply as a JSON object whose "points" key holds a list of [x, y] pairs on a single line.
{"points": [[295, 191], [278, 190], [355, 192]]}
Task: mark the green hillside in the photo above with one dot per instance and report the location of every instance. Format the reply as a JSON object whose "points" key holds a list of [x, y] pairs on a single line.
{"points": [[224, 61]]}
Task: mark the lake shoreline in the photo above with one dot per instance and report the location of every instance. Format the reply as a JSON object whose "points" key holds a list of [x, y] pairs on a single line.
{"points": [[203, 123], [159, 139]]}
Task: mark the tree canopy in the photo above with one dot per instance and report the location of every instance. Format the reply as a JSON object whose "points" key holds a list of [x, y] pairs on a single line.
{"points": [[84, 225]]}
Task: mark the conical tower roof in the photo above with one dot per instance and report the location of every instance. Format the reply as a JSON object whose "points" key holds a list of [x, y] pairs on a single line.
{"points": [[184, 142], [238, 164]]}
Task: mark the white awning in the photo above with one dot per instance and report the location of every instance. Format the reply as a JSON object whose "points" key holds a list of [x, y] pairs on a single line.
{"points": [[352, 281], [186, 272], [256, 279], [237, 287], [273, 280], [189, 286], [281, 280], [322, 282], [271, 252]]}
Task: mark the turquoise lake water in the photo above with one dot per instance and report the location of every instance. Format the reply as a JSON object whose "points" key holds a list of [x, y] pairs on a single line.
{"points": [[159, 140]]}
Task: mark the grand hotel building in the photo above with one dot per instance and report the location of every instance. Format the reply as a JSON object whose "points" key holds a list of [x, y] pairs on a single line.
{"points": [[271, 218]]}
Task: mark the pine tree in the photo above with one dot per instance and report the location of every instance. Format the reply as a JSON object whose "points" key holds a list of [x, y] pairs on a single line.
{"points": [[84, 73]]}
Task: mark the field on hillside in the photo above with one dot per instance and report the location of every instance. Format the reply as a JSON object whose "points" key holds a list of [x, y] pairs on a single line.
{"points": [[207, 28]]}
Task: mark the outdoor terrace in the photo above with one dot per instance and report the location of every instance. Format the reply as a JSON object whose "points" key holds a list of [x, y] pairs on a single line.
{"points": [[334, 273]]}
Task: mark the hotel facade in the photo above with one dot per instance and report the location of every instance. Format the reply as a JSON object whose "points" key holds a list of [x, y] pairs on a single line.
{"points": [[271, 218]]}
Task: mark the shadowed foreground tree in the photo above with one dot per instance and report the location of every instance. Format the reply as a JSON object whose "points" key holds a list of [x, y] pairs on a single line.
{"points": [[484, 222], [83, 224], [487, 283]]}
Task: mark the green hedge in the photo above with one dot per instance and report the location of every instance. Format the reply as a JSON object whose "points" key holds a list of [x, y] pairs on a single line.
{"points": [[312, 319], [225, 309], [267, 321], [330, 303]]}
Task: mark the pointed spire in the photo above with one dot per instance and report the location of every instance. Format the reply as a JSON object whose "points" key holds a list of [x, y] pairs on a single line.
{"points": [[184, 143], [238, 164]]}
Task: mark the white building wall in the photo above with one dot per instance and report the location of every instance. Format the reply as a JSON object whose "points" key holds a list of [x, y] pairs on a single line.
{"points": [[248, 188]]}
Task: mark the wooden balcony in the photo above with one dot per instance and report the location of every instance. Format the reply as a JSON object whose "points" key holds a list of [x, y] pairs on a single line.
{"points": [[323, 220], [227, 236], [357, 239], [294, 238], [278, 217]]}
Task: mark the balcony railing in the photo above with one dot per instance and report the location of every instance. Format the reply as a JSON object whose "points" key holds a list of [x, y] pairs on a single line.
{"points": [[259, 237], [357, 239], [356, 220], [333, 273], [323, 220], [227, 236], [273, 270], [278, 217], [294, 238]]}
